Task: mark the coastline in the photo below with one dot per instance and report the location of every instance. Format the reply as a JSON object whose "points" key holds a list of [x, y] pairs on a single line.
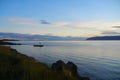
{"points": [[21, 67]]}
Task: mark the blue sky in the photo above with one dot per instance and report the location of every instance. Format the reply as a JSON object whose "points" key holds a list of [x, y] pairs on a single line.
{"points": [[61, 17]]}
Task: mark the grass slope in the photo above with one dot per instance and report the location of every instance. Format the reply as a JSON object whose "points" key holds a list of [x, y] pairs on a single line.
{"points": [[17, 66]]}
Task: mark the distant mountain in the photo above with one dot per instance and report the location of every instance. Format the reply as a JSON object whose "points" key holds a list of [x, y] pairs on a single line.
{"points": [[104, 38], [17, 36]]}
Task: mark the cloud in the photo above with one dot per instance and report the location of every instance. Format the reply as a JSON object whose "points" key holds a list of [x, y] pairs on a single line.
{"points": [[91, 25], [44, 22], [110, 32], [116, 26], [27, 21], [97, 26], [89, 28], [61, 24], [23, 21], [19, 19]]}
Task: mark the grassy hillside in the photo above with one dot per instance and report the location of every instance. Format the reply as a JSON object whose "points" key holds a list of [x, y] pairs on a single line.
{"points": [[16, 66]]}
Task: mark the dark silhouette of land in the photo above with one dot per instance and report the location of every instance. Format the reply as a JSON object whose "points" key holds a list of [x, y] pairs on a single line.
{"points": [[17, 66], [18, 36], [104, 38], [8, 43]]}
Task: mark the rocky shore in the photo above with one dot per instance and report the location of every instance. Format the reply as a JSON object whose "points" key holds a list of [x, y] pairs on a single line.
{"points": [[61, 67]]}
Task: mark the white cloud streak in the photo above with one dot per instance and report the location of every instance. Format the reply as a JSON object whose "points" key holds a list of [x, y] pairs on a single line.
{"points": [[99, 26], [23, 21]]}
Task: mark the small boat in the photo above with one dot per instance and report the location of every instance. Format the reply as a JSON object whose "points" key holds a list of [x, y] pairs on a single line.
{"points": [[38, 45]]}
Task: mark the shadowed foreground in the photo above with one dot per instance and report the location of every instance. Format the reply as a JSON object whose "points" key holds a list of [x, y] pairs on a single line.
{"points": [[16, 66]]}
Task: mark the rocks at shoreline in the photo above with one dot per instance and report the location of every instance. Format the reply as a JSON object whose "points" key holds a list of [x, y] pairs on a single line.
{"points": [[61, 67]]}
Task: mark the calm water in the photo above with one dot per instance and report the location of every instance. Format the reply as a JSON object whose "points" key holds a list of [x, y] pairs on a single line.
{"points": [[99, 60]]}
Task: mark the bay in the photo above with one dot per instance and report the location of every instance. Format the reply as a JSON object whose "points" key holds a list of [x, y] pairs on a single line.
{"points": [[99, 60]]}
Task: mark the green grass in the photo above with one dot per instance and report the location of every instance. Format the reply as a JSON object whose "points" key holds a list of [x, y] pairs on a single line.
{"points": [[16, 66]]}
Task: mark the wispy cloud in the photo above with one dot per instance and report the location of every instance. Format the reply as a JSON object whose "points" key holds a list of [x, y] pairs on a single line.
{"points": [[116, 26], [61, 24], [97, 25], [27, 21], [110, 32], [44, 22], [92, 27], [19, 19], [22, 21]]}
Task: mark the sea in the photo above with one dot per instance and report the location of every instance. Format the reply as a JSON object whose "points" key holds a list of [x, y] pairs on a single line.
{"points": [[99, 60]]}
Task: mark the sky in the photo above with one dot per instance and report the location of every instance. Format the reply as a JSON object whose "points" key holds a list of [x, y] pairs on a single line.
{"points": [[77, 18]]}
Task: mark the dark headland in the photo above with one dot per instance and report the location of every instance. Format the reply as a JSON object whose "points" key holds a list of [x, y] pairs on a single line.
{"points": [[8, 43], [104, 38], [17, 66]]}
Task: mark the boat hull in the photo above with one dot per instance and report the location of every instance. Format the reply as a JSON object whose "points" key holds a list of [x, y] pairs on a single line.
{"points": [[38, 45]]}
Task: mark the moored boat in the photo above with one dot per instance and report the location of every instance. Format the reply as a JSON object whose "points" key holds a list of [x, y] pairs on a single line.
{"points": [[38, 45]]}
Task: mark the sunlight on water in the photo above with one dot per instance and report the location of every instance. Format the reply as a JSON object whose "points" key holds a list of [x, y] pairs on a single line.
{"points": [[100, 60]]}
